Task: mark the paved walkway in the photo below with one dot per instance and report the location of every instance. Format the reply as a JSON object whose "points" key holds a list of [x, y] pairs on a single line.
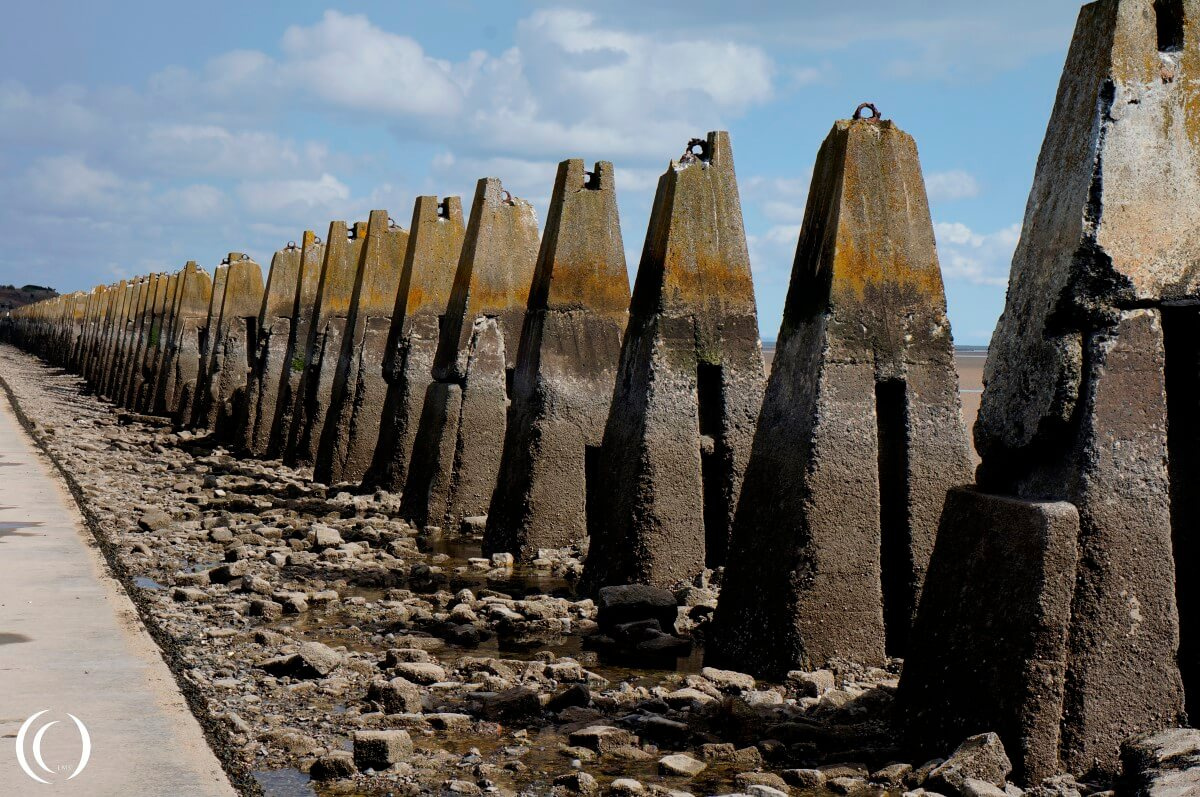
{"points": [[71, 643]]}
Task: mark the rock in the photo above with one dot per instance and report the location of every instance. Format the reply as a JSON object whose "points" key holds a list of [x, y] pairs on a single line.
{"points": [[333, 766], [154, 520], [980, 757], [397, 696], [761, 790], [188, 594], [578, 783], [744, 780], [512, 704], [728, 681], [629, 603], [378, 750], [269, 610], [223, 574], [602, 739], [972, 787], [892, 775], [680, 765], [323, 537], [623, 786], [804, 778], [420, 672], [811, 684], [845, 785], [1164, 763], [575, 695], [313, 660]]}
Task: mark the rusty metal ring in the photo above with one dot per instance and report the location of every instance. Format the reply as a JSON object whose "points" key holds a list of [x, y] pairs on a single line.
{"points": [[506, 196], [867, 106], [291, 245], [392, 223], [225, 261], [317, 239]]}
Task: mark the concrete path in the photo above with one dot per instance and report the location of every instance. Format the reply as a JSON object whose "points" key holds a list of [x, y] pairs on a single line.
{"points": [[71, 643]]}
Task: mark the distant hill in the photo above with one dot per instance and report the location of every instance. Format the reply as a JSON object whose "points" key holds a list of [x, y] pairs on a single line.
{"points": [[12, 296]]}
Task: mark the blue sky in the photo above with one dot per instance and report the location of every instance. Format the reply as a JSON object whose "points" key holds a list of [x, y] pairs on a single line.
{"points": [[138, 135]]}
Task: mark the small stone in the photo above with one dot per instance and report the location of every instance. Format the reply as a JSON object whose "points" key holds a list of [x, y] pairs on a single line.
{"points": [[378, 750], [981, 757], [223, 574], [333, 766], [811, 684], [980, 788], [680, 765], [154, 520], [602, 739], [397, 696], [804, 778], [892, 775], [626, 603], [623, 786], [762, 790], [578, 783], [512, 704], [188, 594], [269, 610], [728, 681], [420, 672]]}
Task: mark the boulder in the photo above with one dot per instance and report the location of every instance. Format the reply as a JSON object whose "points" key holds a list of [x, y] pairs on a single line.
{"points": [[980, 757], [680, 765], [378, 750], [627, 603]]}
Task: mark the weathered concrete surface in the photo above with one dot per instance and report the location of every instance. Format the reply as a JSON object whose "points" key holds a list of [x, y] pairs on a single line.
{"points": [[312, 260], [233, 345], [270, 364], [1076, 400], [149, 336], [359, 392], [434, 247], [688, 387], [343, 255], [122, 324], [73, 642], [566, 367], [993, 626], [192, 405], [861, 430], [135, 340], [160, 332], [101, 296], [449, 479], [181, 366]]}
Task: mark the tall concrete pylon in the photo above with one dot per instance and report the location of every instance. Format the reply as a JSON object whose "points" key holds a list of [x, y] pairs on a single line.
{"points": [[356, 403], [1088, 430], [147, 339], [181, 366], [343, 253], [688, 387], [312, 261], [435, 242], [860, 433], [275, 322], [233, 346], [159, 333], [566, 368], [456, 454], [192, 406]]}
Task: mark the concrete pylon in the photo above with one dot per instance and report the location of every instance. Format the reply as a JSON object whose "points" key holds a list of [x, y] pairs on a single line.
{"points": [[156, 361], [126, 322], [351, 430], [193, 404], [860, 433], [233, 346], [1092, 383], [95, 322], [312, 261], [182, 359], [688, 387], [456, 454], [566, 368], [270, 357], [135, 339], [147, 339], [434, 247], [343, 251]]}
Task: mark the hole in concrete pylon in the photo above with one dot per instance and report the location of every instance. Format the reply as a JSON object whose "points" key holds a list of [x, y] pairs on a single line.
{"points": [[509, 376], [251, 339], [715, 462], [1181, 341], [1169, 18], [591, 476], [895, 544]]}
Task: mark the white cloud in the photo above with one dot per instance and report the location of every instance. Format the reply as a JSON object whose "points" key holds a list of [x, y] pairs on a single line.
{"points": [[979, 258], [194, 201], [951, 185], [212, 149], [281, 196], [68, 182]]}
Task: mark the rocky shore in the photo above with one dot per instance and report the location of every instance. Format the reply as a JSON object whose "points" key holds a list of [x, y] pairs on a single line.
{"points": [[331, 648]]}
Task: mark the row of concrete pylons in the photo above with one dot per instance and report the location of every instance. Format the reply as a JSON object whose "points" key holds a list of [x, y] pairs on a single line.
{"points": [[479, 372]]}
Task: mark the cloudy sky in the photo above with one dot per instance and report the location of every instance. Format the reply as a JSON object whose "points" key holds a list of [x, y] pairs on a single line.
{"points": [[138, 135]]}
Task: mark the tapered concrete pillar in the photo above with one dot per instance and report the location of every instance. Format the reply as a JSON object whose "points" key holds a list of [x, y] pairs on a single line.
{"points": [[359, 390], [193, 404], [566, 368], [183, 357], [270, 359], [688, 386], [860, 433], [100, 300], [434, 247], [343, 251], [312, 261], [147, 340], [1092, 385], [160, 335], [456, 456], [233, 345], [122, 323]]}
